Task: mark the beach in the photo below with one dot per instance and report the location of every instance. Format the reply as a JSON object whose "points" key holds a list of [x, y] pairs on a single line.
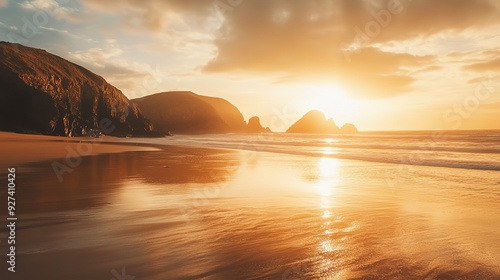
{"points": [[25, 148], [252, 140], [213, 208]]}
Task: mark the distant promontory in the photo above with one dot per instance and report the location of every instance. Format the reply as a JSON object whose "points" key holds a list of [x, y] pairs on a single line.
{"points": [[184, 112]]}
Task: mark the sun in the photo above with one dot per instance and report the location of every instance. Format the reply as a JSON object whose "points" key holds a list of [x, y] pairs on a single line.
{"points": [[332, 100]]}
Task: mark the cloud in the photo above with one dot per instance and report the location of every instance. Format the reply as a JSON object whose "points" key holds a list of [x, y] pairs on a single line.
{"points": [[355, 43], [372, 73], [492, 65], [486, 79], [153, 15], [428, 69], [8, 27], [43, 38], [368, 73], [3, 3], [336, 39], [134, 79], [39, 4], [97, 57], [53, 7]]}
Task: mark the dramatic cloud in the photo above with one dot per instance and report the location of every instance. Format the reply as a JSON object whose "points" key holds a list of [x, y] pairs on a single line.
{"points": [[333, 38], [346, 41]]}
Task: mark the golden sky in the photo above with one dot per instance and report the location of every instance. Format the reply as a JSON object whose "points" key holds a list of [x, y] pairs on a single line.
{"points": [[383, 65]]}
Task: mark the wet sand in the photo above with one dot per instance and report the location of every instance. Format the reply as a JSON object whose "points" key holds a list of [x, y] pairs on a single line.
{"points": [[49, 208], [17, 149], [196, 213]]}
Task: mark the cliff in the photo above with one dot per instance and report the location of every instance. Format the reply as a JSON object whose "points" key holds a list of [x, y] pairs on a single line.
{"points": [[46, 94], [229, 113], [183, 112]]}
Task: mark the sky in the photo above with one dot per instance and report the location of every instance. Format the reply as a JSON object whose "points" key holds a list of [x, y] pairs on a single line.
{"points": [[382, 65]]}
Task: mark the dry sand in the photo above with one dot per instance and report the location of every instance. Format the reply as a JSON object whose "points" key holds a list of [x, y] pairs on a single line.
{"points": [[22, 148]]}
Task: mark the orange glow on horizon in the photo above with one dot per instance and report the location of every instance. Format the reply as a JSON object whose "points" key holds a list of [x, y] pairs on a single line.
{"points": [[333, 101]]}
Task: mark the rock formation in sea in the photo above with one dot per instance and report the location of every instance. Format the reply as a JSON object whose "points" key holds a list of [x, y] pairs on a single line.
{"points": [[348, 128], [254, 126], [316, 122], [46, 94]]}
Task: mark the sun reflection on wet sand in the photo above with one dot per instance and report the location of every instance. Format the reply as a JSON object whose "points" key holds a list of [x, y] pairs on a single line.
{"points": [[329, 151], [326, 214], [310, 218], [325, 203], [327, 185], [328, 177], [329, 168]]}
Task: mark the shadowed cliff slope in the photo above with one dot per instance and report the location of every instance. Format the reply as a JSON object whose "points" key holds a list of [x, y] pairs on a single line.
{"points": [[228, 112], [184, 112], [43, 93]]}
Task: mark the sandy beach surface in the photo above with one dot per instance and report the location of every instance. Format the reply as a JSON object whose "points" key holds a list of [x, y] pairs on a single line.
{"points": [[22, 148], [152, 211]]}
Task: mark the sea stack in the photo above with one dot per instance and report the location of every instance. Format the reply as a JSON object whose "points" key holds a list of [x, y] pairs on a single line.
{"points": [[316, 122]]}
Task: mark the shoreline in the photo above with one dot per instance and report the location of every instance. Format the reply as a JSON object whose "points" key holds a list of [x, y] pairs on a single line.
{"points": [[18, 149]]}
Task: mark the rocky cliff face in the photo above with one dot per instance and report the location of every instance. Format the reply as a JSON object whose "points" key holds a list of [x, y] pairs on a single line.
{"points": [[184, 112], [316, 122], [229, 113], [43, 93]]}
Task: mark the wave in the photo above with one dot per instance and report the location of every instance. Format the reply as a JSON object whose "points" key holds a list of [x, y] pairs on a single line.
{"points": [[466, 150]]}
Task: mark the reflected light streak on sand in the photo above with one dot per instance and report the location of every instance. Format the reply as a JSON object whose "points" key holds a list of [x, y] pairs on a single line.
{"points": [[328, 177], [329, 151], [327, 185]]}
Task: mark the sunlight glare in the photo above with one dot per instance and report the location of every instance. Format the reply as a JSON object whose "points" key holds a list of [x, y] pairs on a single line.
{"points": [[328, 167], [330, 140], [333, 101], [326, 214], [328, 170], [329, 151]]}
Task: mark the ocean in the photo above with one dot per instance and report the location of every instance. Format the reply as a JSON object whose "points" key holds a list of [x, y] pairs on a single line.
{"points": [[455, 149], [376, 205]]}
